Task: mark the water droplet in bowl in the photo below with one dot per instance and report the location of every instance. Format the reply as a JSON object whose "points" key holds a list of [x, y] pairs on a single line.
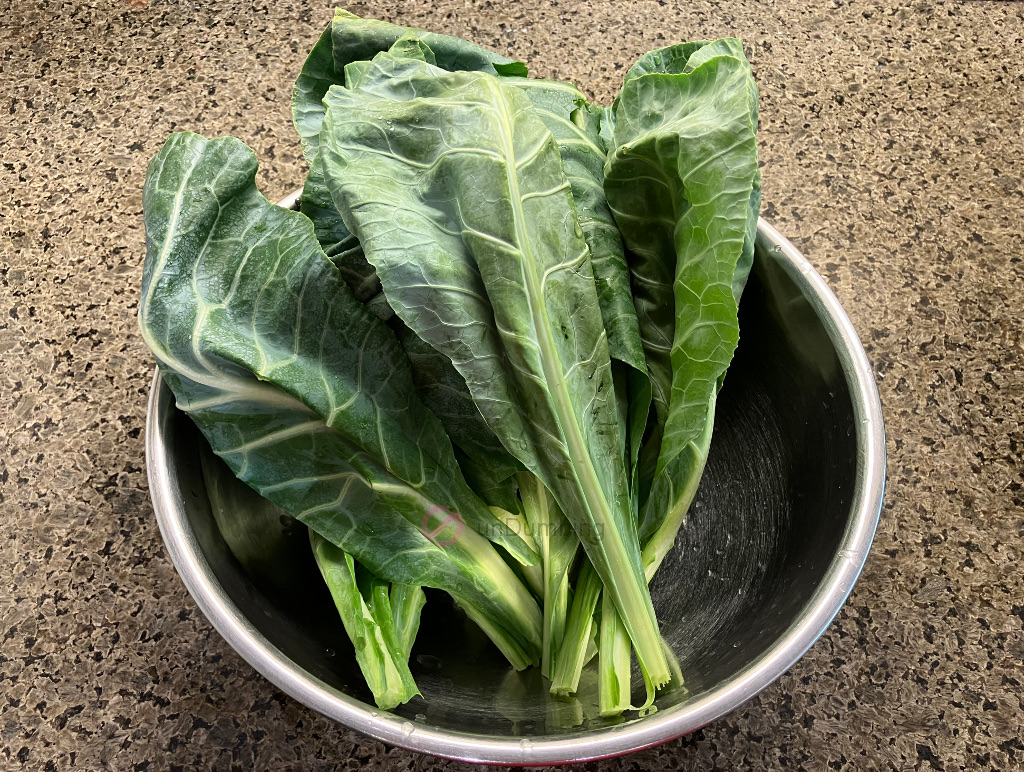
{"points": [[429, 661]]}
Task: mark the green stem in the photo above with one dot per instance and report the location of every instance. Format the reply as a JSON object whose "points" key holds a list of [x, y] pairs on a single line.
{"points": [[572, 656], [614, 659], [501, 605], [369, 624], [557, 545], [407, 602]]}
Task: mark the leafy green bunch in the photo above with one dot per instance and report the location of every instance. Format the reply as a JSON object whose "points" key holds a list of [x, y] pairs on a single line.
{"points": [[500, 304]]}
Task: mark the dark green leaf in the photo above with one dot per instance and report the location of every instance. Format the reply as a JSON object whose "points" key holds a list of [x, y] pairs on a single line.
{"points": [[304, 394], [459, 200], [683, 182], [352, 39]]}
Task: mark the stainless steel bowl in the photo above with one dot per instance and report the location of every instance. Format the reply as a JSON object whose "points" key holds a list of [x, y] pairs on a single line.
{"points": [[774, 542]]}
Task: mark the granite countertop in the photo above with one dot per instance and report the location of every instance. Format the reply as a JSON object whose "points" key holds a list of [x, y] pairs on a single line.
{"points": [[893, 157]]}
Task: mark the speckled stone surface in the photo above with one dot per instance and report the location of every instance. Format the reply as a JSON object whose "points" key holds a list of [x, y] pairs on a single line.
{"points": [[893, 157]]}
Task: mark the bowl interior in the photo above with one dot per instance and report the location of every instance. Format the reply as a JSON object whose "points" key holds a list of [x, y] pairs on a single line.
{"points": [[767, 523]]}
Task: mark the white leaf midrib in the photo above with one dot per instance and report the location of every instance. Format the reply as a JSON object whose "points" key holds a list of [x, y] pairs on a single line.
{"points": [[578, 453]]}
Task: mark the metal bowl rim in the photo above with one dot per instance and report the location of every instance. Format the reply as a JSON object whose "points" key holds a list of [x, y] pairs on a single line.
{"points": [[660, 727]]}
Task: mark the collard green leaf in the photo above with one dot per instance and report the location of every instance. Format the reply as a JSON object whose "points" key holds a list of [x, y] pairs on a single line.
{"points": [[575, 125], [352, 39], [459, 200], [344, 50], [306, 395], [682, 182], [564, 110], [316, 204], [317, 75], [394, 73], [358, 36], [670, 60], [684, 58], [485, 462]]}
